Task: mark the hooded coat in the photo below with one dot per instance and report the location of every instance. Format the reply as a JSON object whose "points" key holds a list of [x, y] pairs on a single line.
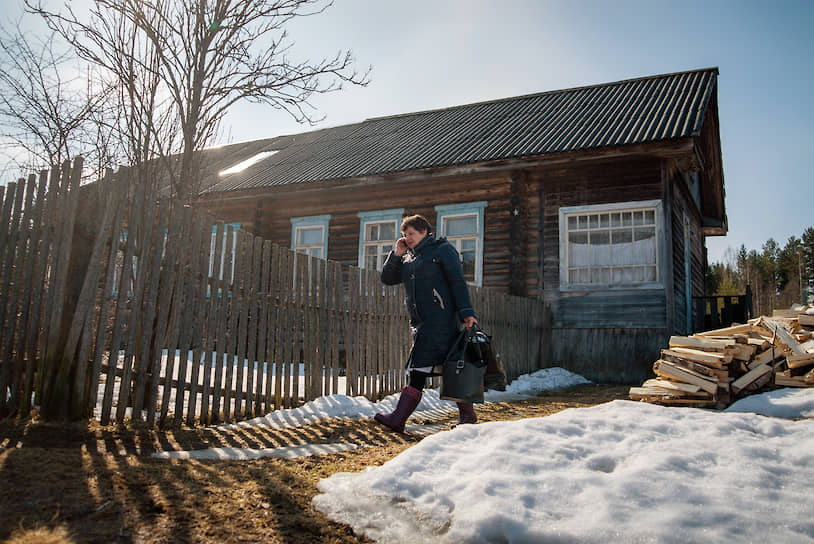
{"points": [[437, 297]]}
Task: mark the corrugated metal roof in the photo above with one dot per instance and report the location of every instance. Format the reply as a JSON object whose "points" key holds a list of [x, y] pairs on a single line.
{"points": [[633, 111]]}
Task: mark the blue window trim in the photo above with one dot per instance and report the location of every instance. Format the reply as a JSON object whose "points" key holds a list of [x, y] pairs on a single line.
{"points": [[477, 208], [311, 221], [394, 214]]}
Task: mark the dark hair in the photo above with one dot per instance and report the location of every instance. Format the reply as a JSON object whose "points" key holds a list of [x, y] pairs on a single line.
{"points": [[418, 222]]}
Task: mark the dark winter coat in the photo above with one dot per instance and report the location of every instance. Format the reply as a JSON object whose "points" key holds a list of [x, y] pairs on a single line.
{"points": [[437, 297]]}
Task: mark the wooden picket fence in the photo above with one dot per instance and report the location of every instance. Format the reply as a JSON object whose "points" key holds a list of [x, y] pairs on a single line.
{"points": [[167, 315]]}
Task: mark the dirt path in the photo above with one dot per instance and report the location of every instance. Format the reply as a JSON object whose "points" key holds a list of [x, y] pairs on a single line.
{"points": [[86, 483]]}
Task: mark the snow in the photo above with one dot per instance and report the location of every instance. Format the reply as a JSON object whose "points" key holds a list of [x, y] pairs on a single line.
{"points": [[617, 472]]}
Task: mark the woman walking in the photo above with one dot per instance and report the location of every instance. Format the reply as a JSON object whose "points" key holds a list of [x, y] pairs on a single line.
{"points": [[437, 301]]}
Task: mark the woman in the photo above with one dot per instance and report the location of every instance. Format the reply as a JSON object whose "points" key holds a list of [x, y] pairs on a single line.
{"points": [[437, 301]]}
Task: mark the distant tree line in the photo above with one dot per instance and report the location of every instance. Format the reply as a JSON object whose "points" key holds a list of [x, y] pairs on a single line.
{"points": [[779, 276]]}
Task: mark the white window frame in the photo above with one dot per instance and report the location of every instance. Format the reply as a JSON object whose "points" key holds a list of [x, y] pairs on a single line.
{"points": [[448, 211], [222, 251], [321, 221], [379, 216], [656, 205]]}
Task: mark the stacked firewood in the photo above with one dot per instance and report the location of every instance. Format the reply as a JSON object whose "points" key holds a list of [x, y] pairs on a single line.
{"points": [[714, 368]]}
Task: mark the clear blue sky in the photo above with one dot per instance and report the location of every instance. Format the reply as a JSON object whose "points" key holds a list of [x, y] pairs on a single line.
{"points": [[433, 54]]}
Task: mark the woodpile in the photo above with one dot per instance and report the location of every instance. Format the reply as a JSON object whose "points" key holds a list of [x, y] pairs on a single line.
{"points": [[713, 368]]}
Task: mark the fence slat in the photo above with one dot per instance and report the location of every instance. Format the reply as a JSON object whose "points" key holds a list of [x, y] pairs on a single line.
{"points": [[35, 294]]}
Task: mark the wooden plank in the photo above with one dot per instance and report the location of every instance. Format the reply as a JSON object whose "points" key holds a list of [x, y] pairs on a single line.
{"points": [[243, 301], [783, 380], [727, 331], [254, 322], [232, 326], [750, 377], [713, 373], [18, 301], [201, 319], [31, 338], [120, 315], [103, 332], [82, 323], [188, 327], [176, 312], [160, 213], [140, 229], [197, 322], [784, 336], [800, 361], [337, 324], [768, 356], [674, 386], [713, 359], [275, 348], [211, 334], [63, 241], [175, 241], [671, 370], [263, 398], [224, 312], [8, 308], [742, 352], [700, 343]]}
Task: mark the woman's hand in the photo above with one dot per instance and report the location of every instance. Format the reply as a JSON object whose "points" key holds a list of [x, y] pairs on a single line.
{"points": [[401, 247], [469, 321]]}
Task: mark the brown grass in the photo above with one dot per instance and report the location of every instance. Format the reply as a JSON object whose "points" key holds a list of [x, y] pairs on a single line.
{"points": [[85, 483]]}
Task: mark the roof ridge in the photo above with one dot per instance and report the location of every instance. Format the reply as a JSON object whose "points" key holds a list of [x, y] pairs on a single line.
{"points": [[542, 93]]}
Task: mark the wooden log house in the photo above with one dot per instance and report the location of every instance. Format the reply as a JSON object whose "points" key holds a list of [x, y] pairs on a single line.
{"points": [[596, 199]]}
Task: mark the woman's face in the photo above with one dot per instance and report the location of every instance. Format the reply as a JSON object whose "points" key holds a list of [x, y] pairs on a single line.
{"points": [[413, 237]]}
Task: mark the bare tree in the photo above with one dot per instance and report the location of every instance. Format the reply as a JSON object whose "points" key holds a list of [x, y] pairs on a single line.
{"points": [[200, 58], [47, 104]]}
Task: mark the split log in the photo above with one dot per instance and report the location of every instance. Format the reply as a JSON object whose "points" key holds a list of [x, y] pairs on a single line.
{"points": [[705, 370], [670, 370], [734, 329], [784, 336], [806, 320], [800, 361], [673, 386], [716, 360], [700, 343], [750, 377]]}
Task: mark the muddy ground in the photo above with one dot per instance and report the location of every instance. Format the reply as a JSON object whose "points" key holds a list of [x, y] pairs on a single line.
{"points": [[86, 483]]}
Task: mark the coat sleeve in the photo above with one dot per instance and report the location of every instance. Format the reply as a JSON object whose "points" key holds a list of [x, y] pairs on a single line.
{"points": [[391, 271], [451, 264]]}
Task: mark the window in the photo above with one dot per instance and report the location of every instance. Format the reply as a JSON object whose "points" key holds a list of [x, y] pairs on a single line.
{"points": [[309, 235], [379, 231], [222, 251], [610, 245], [462, 225]]}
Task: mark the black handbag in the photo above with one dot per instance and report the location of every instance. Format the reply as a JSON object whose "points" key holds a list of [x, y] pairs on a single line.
{"points": [[463, 369]]}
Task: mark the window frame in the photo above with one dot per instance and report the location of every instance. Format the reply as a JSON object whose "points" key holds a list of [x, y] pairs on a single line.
{"points": [[661, 261], [377, 216], [311, 221], [213, 250], [447, 211]]}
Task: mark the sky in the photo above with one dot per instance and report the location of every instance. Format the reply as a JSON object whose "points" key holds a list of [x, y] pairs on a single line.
{"points": [[617, 472], [435, 54]]}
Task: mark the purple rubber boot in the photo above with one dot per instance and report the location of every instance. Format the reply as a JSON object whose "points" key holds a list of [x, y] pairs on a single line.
{"points": [[409, 399], [466, 414]]}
